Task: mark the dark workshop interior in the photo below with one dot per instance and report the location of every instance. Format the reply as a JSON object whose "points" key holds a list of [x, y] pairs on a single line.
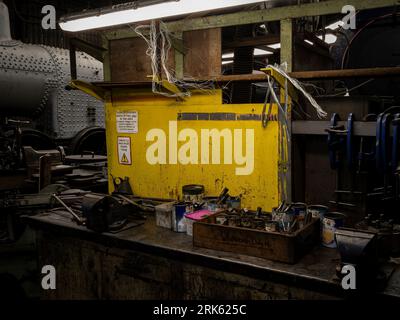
{"points": [[199, 150]]}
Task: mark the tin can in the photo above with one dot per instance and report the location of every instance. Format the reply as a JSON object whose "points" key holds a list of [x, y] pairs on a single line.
{"points": [[330, 223], [289, 216], [178, 217], [318, 211], [164, 213], [193, 193], [300, 210]]}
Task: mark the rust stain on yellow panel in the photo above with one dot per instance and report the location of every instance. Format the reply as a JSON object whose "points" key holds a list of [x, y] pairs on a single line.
{"points": [[258, 189]]}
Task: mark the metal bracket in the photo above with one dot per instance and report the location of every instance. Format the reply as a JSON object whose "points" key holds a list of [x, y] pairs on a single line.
{"points": [[90, 89], [92, 50]]}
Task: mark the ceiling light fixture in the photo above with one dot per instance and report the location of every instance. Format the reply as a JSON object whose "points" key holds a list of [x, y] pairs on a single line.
{"points": [[132, 12]]}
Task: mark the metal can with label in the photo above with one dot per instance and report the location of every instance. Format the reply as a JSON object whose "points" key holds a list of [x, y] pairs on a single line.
{"points": [[193, 193], [300, 210], [330, 223], [178, 217]]}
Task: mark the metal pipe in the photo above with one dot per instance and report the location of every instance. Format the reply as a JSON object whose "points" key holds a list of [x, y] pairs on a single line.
{"points": [[347, 73], [320, 74]]}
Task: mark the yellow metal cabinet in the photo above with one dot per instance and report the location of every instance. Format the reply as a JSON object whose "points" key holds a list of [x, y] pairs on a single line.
{"points": [[163, 143]]}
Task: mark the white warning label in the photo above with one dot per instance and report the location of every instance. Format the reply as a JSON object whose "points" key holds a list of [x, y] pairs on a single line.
{"points": [[127, 122], [124, 150]]}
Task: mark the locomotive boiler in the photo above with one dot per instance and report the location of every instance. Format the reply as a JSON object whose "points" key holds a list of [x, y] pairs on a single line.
{"points": [[36, 109]]}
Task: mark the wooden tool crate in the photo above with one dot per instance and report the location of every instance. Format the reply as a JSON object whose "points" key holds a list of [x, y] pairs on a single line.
{"points": [[283, 247]]}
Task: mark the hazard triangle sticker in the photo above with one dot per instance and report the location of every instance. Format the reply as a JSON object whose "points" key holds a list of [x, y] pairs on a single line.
{"points": [[124, 151]]}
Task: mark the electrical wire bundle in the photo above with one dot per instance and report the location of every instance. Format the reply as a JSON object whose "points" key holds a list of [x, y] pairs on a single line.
{"points": [[281, 70], [159, 46]]}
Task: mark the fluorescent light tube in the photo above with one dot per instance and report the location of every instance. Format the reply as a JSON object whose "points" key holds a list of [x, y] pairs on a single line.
{"points": [[151, 12], [275, 46], [260, 52], [228, 55], [227, 62]]}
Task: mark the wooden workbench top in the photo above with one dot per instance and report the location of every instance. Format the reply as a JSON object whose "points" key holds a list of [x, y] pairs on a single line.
{"points": [[315, 271]]}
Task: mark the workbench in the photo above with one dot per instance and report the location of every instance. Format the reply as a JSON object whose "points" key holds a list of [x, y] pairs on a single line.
{"points": [[149, 262]]}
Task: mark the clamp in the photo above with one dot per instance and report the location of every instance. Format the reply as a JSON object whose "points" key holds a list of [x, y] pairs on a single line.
{"points": [[349, 141], [378, 147], [367, 151], [382, 141], [335, 142], [395, 142]]}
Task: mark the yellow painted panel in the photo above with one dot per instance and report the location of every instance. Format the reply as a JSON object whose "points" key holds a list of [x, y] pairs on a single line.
{"points": [[258, 189]]}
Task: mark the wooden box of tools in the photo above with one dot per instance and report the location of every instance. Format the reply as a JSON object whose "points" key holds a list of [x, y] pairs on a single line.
{"points": [[277, 246]]}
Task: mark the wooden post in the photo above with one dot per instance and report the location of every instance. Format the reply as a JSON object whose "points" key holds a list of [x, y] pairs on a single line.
{"points": [[285, 168], [287, 43], [179, 58], [106, 59]]}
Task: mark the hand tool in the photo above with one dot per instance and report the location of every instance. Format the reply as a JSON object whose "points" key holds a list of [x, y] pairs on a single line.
{"points": [[395, 143], [349, 142], [74, 215], [223, 196], [366, 152], [135, 204]]}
